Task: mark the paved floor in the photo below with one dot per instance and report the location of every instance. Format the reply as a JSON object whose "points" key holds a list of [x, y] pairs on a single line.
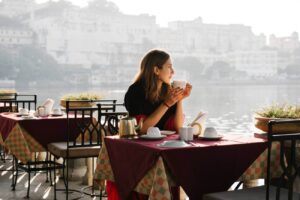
{"points": [[39, 188]]}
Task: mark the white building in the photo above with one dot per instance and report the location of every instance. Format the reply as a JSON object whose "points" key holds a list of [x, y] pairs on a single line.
{"points": [[259, 63]]}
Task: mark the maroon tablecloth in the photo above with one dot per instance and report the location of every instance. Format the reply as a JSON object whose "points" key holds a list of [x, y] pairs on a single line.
{"points": [[44, 130], [207, 166]]}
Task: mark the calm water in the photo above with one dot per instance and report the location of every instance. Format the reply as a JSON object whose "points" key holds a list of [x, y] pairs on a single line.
{"points": [[230, 107]]}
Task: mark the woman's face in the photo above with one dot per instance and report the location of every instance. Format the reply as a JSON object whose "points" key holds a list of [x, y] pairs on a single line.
{"points": [[166, 72]]}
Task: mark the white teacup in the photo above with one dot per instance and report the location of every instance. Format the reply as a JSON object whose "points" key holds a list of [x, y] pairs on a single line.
{"points": [[210, 132], [153, 132], [186, 133], [23, 111], [56, 111], [179, 84]]}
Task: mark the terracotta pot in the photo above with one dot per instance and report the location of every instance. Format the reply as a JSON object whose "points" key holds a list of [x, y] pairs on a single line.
{"points": [[76, 104], [262, 124], [7, 96]]}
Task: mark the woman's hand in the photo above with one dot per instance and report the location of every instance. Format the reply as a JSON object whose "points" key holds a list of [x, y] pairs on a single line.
{"points": [[187, 91], [174, 95]]}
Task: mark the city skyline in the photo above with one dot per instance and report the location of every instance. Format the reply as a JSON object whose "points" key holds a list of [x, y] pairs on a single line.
{"points": [[268, 17]]}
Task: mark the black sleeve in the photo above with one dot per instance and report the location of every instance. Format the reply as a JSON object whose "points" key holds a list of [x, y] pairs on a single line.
{"points": [[134, 99]]}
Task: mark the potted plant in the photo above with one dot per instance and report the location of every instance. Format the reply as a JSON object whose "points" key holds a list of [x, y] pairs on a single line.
{"points": [[7, 94], [277, 112], [86, 98]]}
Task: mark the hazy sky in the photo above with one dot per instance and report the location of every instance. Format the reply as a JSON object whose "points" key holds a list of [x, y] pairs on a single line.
{"points": [[281, 17]]}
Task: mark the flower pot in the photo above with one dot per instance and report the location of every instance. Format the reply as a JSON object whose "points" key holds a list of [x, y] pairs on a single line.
{"points": [[7, 96], [76, 104], [262, 124]]}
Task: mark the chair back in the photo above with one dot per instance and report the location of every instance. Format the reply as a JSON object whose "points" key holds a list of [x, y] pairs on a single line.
{"points": [[83, 124], [109, 117], [17, 101], [288, 155]]}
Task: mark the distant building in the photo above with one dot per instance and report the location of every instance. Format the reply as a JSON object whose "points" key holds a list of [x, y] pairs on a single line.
{"points": [[13, 8], [217, 38], [259, 63], [288, 44], [14, 33]]}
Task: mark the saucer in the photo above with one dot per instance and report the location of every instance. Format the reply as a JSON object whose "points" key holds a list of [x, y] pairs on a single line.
{"points": [[27, 117], [20, 115], [173, 144], [218, 137], [146, 137], [166, 132], [56, 115]]}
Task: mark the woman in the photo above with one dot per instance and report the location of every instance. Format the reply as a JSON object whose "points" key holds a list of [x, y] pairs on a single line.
{"points": [[152, 99], [151, 96]]}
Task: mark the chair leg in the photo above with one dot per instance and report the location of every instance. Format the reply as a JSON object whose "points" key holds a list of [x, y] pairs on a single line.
{"points": [[54, 175], [64, 177], [51, 182], [13, 185], [16, 173], [28, 189], [67, 180]]}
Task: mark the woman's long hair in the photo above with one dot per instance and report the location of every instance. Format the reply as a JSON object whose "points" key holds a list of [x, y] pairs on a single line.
{"points": [[149, 78]]}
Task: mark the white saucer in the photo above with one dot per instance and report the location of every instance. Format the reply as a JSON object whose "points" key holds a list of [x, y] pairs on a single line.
{"points": [[166, 132], [56, 115], [20, 115], [218, 137], [27, 117], [173, 144], [146, 137]]}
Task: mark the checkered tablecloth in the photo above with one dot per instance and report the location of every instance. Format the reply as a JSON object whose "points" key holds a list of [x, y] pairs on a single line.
{"points": [[21, 144], [156, 183]]}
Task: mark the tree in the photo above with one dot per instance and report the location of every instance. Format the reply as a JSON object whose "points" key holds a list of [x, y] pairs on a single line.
{"points": [[190, 64], [220, 69]]}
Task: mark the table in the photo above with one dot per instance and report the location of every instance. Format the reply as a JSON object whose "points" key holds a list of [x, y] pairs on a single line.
{"points": [[22, 137], [204, 167]]}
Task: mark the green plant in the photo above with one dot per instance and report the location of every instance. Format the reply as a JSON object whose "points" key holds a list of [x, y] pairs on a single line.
{"points": [[82, 96], [280, 111]]}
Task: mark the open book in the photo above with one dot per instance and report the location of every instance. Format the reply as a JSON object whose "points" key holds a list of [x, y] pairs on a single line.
{"points": [[199, 123]]}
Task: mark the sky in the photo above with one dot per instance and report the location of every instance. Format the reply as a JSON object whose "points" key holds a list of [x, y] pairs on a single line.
{"points": [[279, 17]]}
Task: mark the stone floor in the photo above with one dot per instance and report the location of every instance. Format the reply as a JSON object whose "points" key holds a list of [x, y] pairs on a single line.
{"points": [[39, 188]]}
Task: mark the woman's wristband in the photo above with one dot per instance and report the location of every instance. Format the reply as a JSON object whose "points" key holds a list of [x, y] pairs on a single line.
{"points": [[166, 104]]}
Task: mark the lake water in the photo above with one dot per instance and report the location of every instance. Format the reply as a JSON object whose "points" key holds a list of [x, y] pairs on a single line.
{"points": [[230, 107]]}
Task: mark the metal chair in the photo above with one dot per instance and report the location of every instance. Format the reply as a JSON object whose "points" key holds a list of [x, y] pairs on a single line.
{"points": [[29, 102], [84, 139], [109, 117], [17, 101], [278, 187]]}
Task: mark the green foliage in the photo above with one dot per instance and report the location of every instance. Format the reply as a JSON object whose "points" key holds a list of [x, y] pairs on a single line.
{"points": [[82, 96], [280, 111]]}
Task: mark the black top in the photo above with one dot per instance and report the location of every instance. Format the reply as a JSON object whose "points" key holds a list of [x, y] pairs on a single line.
{"points": [[136, 104]]}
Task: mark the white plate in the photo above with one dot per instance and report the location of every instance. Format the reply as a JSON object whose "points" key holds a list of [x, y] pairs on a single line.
{"points": [[20, 115], [173, 143], [27, 117], [166, 132], [218, 137], [146, 137]]}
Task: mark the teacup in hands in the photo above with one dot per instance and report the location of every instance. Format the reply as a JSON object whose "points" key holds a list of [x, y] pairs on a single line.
{"points": [[210, 132], [179, 84]]}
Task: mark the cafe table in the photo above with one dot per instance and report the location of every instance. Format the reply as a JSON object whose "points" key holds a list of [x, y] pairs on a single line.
{"points": [[203, 167], [25, 136]]}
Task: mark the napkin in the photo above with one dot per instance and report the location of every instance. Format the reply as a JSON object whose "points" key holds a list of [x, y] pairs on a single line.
{"points": [[199, 122], [48, 104]]}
